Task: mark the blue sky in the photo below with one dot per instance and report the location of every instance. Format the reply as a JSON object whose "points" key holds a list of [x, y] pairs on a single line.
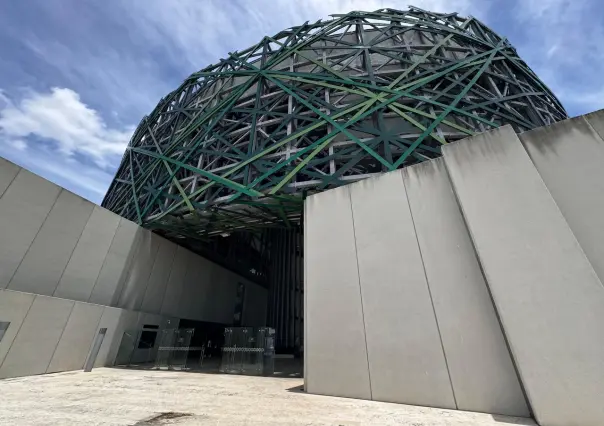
{"points": [[77, 76]]}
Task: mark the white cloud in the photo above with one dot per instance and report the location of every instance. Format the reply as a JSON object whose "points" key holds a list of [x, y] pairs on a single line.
{"points": [[565, 50], [202, 32], [61, 117], [18, 144], [88, 181]]}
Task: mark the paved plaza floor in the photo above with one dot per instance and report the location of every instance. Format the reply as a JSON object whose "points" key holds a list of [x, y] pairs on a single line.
{"points": [[115, 396]]}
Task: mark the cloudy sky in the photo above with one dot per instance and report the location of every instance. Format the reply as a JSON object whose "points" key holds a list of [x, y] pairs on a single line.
{"points": [[77, 76]]}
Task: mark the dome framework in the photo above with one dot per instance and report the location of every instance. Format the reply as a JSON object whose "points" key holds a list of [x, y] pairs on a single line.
{"points": [[240, 143]]}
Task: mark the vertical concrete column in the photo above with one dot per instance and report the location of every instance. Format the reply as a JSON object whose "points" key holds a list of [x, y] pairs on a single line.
{"points": [[335, 347], [569, 156], [549, 298], [482, 372], [406, 359]]}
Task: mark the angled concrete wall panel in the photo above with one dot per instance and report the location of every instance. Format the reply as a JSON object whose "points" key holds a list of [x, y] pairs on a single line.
{"points": [[160, 273], [406, 360], [135, 285], [569, 156], [14, 306], [335, 347], [194, 297], [38, 337], [88, 256], [47, 257], [77, 338], [174, 288], [482, 372], [8, 172], [548, 296], [116, 264], [23, 208]]}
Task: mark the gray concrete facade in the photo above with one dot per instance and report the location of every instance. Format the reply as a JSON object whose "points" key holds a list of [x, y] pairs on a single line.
{"points": [[492, 255], [406, 359], [418, 299], [335, 353], [569, 156], [547, 294], [70, 267], [481, 369]]}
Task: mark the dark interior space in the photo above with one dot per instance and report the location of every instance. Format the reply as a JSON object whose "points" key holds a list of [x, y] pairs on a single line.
{"points": [[209, 335]]}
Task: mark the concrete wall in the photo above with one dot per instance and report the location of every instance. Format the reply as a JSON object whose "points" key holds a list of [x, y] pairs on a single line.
{"points": [[406, 359], [392, 267], [570, 157], [335, 349], [492, 255], [547, 294], [70, 267], [480, 366], [47, 334], [55, 243]]}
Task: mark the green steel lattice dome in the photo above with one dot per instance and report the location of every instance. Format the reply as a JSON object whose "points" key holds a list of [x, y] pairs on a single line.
{"points": [[240, 143]]}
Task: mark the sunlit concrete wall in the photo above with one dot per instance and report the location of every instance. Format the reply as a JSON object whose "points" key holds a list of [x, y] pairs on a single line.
{"points": [[54, 243], [467, 282], [395, 295], [47, 334]]}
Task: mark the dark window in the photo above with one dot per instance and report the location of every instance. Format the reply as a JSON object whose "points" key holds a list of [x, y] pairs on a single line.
{"points": [[147, 339], [151, 326]]}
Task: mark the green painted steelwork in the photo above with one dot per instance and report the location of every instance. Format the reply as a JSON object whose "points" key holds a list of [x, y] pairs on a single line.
{"points": [[314, 107]]}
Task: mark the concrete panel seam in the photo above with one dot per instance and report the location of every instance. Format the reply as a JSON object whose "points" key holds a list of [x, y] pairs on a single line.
{"points": [[421, 256], [503, 330], [18, 330], [583, 117], [177, 298], [132, 254], [551, 196], [35, 236], [356, 256], [104, 261], [163, 296], [149, 278], [11, 182], [72, 252], [60, 336]]}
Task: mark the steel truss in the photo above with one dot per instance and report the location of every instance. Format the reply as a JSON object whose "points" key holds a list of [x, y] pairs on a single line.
{"points": [[316, 106]]}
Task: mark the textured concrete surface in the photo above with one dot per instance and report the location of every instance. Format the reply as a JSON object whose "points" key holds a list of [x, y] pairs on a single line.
{"points": [[135, 397], [548, 296], [406, 359], [23, 208], [482, 373], [334, 340], [55, 243], [569, 156], [44, 263]]}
